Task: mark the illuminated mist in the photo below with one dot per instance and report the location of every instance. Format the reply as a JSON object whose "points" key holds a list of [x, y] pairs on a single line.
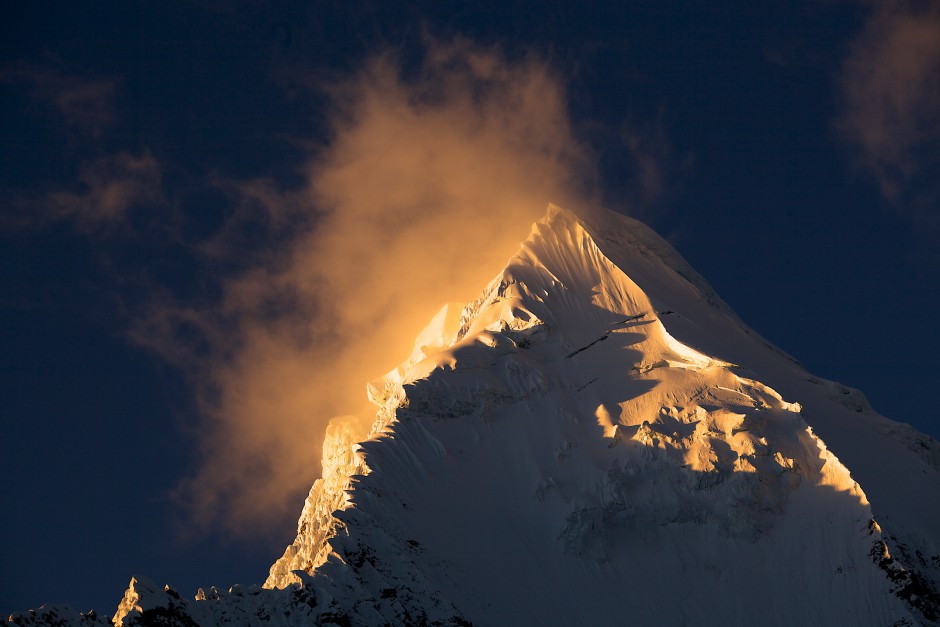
{"points": [[426, 188]]}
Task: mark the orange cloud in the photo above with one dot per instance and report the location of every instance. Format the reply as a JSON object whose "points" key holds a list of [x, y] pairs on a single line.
{"points": [[427, 187], [891, 91]]}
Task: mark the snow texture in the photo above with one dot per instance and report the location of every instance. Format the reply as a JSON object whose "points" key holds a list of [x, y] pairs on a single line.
{"points": [[597, 439]]}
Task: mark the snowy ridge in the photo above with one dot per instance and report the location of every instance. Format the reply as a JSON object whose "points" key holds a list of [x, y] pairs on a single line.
{"points": [[594, 441], [342, 459]]}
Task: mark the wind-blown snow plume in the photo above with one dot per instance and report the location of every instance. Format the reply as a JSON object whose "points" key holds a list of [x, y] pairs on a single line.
{"points": [[418, 199]]}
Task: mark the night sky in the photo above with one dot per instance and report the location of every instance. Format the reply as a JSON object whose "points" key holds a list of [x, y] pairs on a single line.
{"points": [[156, 153]]}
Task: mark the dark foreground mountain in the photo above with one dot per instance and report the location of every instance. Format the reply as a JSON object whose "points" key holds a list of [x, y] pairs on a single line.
{"points": [[597, 440]]}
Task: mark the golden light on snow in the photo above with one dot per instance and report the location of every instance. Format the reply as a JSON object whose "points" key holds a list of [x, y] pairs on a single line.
{"points": [[606, 422]]}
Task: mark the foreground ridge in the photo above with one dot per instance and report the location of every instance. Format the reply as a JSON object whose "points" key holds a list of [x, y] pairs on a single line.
{"points": [[597, 438]]}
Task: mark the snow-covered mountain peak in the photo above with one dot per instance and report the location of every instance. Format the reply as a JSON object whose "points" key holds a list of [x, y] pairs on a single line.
{"points": [[586, 422], [598, 438]]}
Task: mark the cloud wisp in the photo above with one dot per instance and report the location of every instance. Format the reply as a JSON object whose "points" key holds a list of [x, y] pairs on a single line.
{"points": [[426, 188], [86, 105], [109, 189], [111, 186], [891, 96]]}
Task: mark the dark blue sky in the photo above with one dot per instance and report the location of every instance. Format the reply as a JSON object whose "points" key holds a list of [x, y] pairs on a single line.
{"points": [[787, 149]]}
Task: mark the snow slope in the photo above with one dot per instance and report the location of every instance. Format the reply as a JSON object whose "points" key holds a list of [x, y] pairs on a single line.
{"points": [[598, 439]]}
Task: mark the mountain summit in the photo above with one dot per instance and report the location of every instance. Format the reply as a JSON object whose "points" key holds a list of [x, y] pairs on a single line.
{"points": [[598, 439]]}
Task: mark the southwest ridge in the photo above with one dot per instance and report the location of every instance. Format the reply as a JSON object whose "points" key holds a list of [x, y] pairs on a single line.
{"points": [[598, 439]]}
